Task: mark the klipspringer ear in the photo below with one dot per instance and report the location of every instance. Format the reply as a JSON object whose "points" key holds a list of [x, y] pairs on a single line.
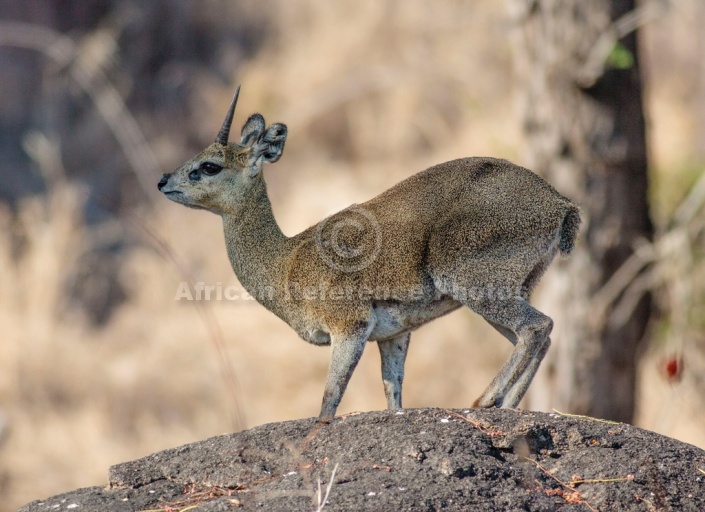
{"points": [[270, 146], [267, 148], [252, 130]]}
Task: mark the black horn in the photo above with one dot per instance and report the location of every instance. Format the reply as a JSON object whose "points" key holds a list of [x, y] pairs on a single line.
{"points": [[224, 132]]}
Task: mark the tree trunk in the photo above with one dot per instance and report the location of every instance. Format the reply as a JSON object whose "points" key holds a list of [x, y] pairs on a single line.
{"points": [[587, 137]]}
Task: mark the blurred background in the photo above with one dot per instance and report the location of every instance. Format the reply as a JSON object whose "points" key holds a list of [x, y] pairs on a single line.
{"points": [[100, 364]]}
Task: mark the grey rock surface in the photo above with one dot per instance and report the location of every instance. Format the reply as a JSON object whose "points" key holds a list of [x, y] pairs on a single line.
{"points": [[415, 459]]}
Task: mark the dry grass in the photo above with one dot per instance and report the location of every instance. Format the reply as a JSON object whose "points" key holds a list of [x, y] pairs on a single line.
{"points": [[372, 92]]}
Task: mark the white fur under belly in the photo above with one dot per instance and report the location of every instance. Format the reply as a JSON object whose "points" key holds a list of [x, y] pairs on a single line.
{"points": [[394, 318]]}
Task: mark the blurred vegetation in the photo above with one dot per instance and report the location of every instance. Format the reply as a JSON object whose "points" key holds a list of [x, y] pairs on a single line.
{"points": [[99, 363]]}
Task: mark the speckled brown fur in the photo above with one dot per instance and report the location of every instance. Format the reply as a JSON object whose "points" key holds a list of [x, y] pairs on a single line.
{"points": [[477, 232]]}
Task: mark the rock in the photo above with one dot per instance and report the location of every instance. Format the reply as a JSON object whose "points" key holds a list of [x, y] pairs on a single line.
{"points": [[415, 459]]}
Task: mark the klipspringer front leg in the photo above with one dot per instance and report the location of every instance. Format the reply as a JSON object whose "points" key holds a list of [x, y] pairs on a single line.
{"points": [[393, 352], [346, 351]]}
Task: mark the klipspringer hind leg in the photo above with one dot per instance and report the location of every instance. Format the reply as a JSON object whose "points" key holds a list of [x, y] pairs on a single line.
{"points": [[530, 329], [518, 390], [520, 386], [393, 353], [346, 350]]}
